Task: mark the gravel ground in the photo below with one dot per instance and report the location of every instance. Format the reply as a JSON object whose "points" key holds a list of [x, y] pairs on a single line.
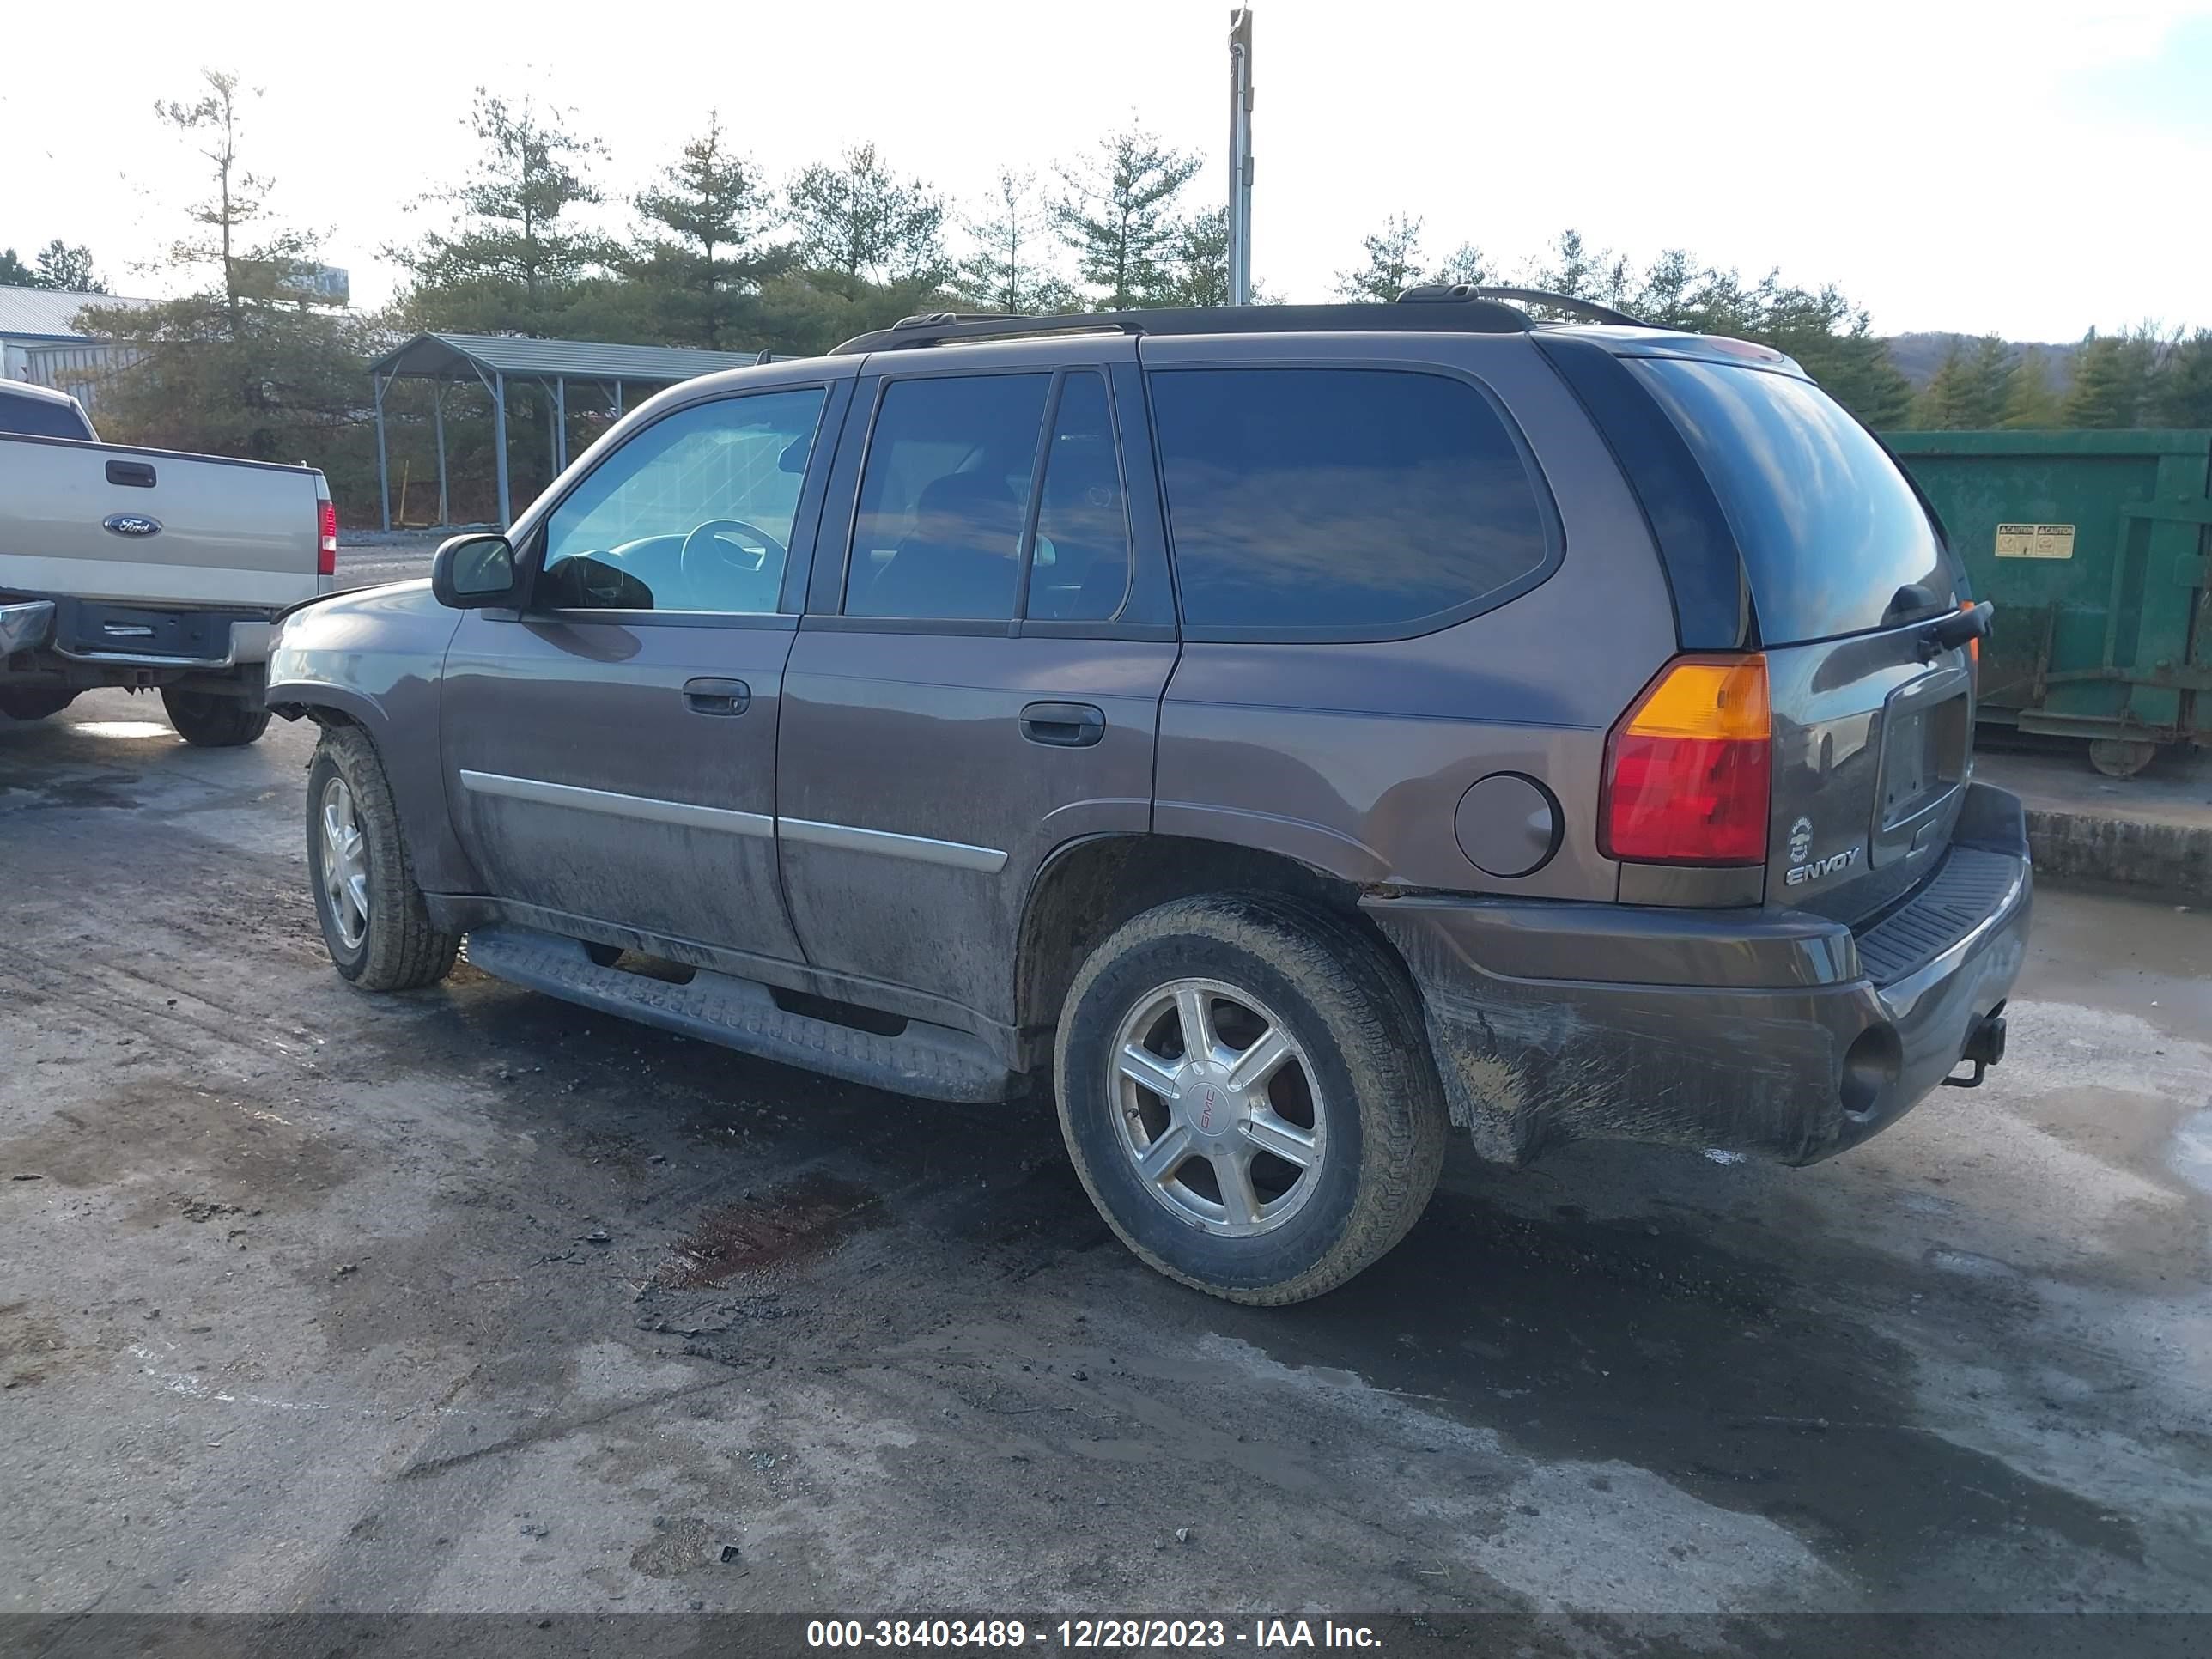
{"points": [[468, 1301]]}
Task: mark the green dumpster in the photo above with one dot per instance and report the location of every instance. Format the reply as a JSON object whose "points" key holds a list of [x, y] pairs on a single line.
{"points": [[2093, 548]]}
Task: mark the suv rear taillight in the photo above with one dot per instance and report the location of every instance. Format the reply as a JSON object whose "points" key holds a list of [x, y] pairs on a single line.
{"points": [[326, 538], [1688, 767]]}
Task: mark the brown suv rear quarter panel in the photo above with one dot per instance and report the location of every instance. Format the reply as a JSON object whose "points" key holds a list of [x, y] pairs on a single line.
{"points": [[1354, 757]]}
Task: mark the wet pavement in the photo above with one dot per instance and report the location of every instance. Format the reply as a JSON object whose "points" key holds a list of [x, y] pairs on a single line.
{"points": [[470, 1301]]}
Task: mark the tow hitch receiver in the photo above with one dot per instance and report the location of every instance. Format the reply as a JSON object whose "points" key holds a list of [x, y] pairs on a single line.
{"points": [[1985, 1047]]}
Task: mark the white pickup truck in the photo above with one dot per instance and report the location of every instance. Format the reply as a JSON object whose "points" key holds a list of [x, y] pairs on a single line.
{"points": [[147, 569]]}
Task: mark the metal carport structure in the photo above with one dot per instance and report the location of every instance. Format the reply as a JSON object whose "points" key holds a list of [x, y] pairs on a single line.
{"points": [[494, 360]]}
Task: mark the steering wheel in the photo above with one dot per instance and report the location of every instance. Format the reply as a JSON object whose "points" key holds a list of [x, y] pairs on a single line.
{"points": [[705, 554]]}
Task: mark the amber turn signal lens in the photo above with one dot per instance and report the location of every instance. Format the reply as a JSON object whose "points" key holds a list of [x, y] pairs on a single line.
{"points": [[1696, 697], [1688, 772]]}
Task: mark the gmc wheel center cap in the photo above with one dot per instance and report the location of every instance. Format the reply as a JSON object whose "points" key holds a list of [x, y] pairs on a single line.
{"points": [[1209, 1107]]}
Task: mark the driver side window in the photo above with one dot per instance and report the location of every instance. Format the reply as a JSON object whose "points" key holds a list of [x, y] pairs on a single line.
{"points": [[693, 513]]}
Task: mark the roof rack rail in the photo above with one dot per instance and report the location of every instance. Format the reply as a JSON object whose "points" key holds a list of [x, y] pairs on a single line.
{"points": [[1433, 292], [1479, 315]]}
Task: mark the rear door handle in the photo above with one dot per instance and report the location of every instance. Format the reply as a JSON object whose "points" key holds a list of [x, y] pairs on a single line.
{"points": [[1063, 725], [708, 696], [136, 475]]}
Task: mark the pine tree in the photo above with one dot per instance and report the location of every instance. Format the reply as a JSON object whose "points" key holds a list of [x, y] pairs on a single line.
{"points": [[1829, 338], [1009, 269], [2111, 378], [857, 220], [244, 364], [1574, 269], [515, 260], [1466, 263], [1394, 261], [1853, 367], [1661, 295], [1201, 262], [1116, 210], [238, 201], [2181, 394], [1968, 391], [68, 269], [699, 260], [2030, 404]]}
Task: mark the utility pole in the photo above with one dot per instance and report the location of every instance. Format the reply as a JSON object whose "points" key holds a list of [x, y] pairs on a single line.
{"points": [[1240, 156]]}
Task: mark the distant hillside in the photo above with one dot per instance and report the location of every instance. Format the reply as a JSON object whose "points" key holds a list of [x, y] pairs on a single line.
{"points": [[1917, 357]]}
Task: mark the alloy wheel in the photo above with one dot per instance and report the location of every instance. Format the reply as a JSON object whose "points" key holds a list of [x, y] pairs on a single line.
{"points": [[345, 864], [1217, 1107]]}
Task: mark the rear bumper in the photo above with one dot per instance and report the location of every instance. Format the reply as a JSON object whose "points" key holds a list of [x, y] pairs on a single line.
{"points": [[1773, 1033], [84, 641]]}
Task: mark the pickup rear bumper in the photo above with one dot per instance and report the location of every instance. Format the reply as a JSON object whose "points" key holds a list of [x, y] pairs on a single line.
{"points": [[1772, 1033], [78, 641], [25, 626]]}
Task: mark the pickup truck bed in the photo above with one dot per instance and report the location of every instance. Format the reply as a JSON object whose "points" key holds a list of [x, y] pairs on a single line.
{"points": [[147, 568]]}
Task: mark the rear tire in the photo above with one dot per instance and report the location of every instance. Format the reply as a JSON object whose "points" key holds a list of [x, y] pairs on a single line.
{"points": [[375, 924], [34, 702], [1301, 1174], [207, 721]]}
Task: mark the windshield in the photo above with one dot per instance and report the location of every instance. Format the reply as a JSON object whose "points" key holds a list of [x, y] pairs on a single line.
{"points": [[1830, 529]]}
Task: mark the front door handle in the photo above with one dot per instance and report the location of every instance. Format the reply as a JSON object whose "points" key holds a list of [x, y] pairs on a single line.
{"points": [[1063, 725], [706, 697]]}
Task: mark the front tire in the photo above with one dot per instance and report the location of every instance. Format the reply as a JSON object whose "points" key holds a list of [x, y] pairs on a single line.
{"points": [[375, 924], [1248, 1096], [207, 721]]}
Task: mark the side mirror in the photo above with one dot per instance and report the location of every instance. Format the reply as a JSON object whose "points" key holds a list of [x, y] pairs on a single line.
{"points": [[471, 572]]}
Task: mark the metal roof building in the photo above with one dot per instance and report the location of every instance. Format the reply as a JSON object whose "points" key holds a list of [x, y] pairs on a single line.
{"points": [[42, 343], [493, 360], [49, 314]]}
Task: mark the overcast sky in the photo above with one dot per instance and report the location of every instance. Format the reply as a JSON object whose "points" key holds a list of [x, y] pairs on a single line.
{"points": [[2027, 168]]}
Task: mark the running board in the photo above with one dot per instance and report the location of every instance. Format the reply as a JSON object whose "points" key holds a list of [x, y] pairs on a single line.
{"points": [[934, 1061]]}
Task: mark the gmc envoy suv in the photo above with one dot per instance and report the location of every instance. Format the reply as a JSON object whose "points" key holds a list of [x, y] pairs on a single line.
{"points": [[1297, 731]]}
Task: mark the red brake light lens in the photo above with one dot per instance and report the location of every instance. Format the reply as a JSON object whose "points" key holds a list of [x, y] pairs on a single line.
{"points": [[1689, 768], [326, 539]]}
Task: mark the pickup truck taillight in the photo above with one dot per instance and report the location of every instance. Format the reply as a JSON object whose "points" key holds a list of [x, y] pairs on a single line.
{"points": [[326, 538], [1689, 766]]}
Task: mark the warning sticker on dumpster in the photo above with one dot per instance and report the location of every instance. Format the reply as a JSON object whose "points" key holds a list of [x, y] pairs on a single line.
{"points": [[2035, 541]]}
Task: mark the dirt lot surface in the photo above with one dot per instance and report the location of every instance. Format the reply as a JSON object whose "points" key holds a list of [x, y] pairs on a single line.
{"points": [[470, 1301]]}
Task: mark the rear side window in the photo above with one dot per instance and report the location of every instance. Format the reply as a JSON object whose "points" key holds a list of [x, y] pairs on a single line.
{"points": [[1830, 530], [1079, 561], [37, 417], [944, 497], [1330, 501]]}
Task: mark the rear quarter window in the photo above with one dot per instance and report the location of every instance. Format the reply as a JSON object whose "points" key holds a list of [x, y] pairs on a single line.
{"points": [[1829, 528], [1341, 503], [39, 417]]}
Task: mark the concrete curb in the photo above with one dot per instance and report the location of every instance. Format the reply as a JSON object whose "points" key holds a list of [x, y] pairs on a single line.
{"points": [[2171, 858]]}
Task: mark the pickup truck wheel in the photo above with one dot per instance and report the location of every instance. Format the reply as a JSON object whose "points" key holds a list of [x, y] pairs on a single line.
{"points": [[375, 925], [1248, 1095], [34, 702], [210, 721]]}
